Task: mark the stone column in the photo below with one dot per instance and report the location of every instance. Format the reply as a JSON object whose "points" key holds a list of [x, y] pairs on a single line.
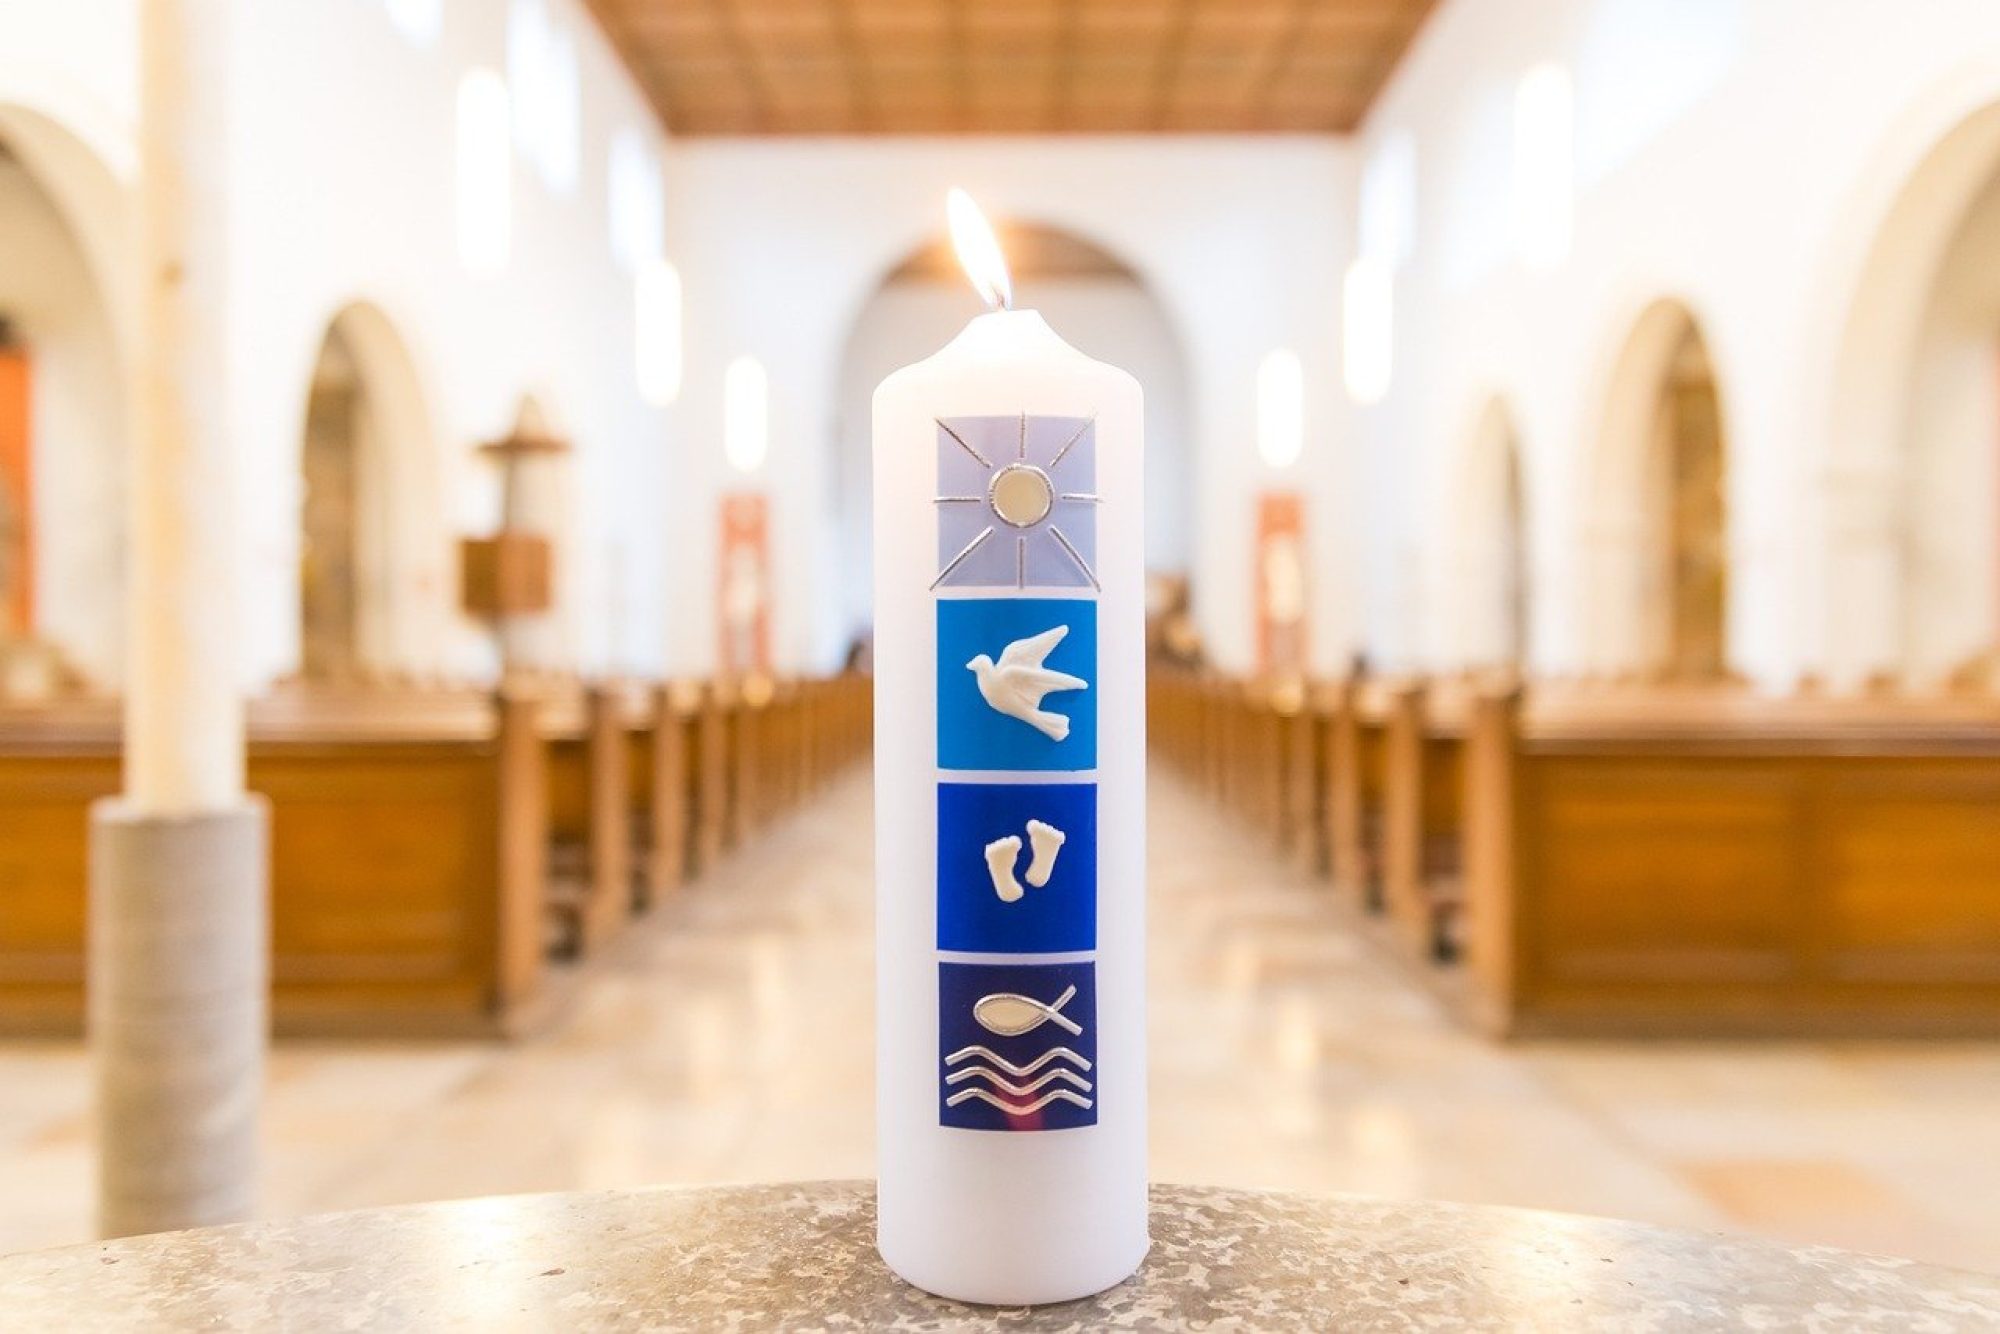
{"points": [[178, 936]]}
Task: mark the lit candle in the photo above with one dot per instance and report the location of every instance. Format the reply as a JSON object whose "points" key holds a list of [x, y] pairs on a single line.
{"points": [[1009, 809]]}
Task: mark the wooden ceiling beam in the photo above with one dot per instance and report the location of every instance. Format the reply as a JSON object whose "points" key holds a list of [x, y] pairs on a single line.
{"points": [[901, 66]]}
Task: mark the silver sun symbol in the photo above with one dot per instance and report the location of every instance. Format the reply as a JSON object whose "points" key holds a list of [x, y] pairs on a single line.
{"points": [[1028, 476]]}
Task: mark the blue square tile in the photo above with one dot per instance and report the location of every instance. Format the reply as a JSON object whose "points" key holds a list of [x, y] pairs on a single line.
{"points": [[1052, 726], [986, 850], [1018, 1046]]}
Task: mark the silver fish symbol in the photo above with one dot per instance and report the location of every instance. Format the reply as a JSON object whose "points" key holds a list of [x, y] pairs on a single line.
{"points": [[1010, 1014]]}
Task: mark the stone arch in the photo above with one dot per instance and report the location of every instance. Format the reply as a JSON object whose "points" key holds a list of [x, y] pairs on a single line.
{"points": [[1909, 512], [1656, 533], [67, 296], [375, 573], [1487, 533], [1094, 296]]}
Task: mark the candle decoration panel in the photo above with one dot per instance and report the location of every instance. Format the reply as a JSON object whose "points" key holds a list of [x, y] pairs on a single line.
{"points": [[1017, 678]]}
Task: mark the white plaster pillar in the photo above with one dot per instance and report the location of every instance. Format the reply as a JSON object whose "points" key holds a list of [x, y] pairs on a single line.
{"points": [[1620, 600], [178, 937], [1864, 573]]}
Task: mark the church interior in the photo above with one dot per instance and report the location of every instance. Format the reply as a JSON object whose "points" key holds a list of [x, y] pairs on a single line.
{"points": [[438, 597]]}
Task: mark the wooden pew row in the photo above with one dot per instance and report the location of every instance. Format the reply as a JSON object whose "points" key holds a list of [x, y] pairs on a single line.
{"points": [[1261, 751], [590, 817], [651, 786], [414, 834], [1355, 780], [1357, 795], [747, 755], [1422, 816], [1736, 866], [1635, 860], [657, 722], [408, 855]]}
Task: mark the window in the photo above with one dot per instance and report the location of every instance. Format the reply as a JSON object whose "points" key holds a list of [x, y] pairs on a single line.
{"points": [[485, 174], [1544, 183], [1280, 408], [657, 341], [542, 73], [636, 201], [746, 410], [1367, 328], [418, 20]]}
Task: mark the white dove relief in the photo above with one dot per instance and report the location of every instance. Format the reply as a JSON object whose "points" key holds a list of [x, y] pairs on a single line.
{"points": [[1015, 685]]}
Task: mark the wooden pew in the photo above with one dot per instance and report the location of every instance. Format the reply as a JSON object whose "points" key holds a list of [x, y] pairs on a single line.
{"points": [[590, 882], [1423, 756], [1180, 704], [639, 726], [711, 821], [751, 789], [54, 763], [1259, 749], [659, 752], [1357, 757], [1734, 866], [1305, 777], [656, 720], [408, 853]]}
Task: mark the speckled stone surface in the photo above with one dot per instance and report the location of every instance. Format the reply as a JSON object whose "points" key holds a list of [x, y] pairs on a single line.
{"points": [[802, 1257]]}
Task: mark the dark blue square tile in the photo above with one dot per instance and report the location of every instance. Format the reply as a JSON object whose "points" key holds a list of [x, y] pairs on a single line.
{"points": [[988, 865]]}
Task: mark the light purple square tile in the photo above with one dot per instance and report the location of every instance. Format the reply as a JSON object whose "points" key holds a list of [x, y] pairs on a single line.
{"points": [[979, 549]]}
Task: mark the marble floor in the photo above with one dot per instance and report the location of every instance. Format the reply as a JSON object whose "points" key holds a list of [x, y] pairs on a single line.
{"points": [[728, 1039]]}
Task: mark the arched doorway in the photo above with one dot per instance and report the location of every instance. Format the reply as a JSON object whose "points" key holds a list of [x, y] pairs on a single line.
{"points": [[1097, 302], [374, 590], [1489, 574], [63, 416], [1913, 483], [1658, 532]]}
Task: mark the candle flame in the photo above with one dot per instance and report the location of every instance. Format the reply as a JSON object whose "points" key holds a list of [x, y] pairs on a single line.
{"points": [[979, 251]]}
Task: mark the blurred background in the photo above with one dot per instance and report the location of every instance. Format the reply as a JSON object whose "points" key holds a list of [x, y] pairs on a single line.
{"points": [[1573, 520]]}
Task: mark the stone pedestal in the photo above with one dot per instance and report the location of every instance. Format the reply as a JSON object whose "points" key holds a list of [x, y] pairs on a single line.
{"points": [[178, 988]]}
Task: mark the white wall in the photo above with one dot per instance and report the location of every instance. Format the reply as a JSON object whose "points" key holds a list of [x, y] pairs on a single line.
{"points": [[1743, 156], [1242, 241], [1113, 319], [345, 193], [340, 170], [1737, 154]]}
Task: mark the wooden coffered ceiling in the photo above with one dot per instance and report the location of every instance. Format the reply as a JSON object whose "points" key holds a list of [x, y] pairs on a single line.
{"points": [[1010, 66]]}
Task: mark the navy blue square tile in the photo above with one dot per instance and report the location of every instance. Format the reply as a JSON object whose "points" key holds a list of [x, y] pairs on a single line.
{"points": [[1018, 1046]]}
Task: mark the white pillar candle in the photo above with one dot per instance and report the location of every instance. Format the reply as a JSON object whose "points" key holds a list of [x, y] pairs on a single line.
{"points": [[1010, 812]]}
